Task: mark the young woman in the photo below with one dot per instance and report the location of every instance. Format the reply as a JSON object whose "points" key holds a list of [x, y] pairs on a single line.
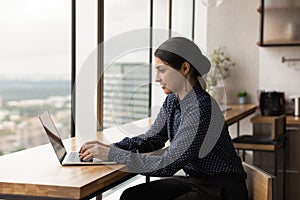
{"points": [[193, 123]]}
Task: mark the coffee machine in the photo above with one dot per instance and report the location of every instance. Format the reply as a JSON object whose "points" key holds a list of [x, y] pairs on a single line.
{"points": [[272, 103]]}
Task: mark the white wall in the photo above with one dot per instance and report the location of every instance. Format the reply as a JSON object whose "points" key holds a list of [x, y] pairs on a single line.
{"points": [[275, 75], [235, 25]]}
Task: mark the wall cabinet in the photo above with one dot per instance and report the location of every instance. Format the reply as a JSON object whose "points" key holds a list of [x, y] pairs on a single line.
{"points": [[279, 23]]}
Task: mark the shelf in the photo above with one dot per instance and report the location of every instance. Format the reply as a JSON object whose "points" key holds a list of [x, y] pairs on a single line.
{"points": [[283, 8], [295, 8], [279, 43]]}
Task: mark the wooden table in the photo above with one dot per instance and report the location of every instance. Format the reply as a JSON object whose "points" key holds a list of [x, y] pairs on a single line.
{"points": [[292, 120], [37, 174], [238, 112]]}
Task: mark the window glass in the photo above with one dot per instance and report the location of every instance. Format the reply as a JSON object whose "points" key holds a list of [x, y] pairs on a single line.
{"points": [[35, 70], [126, 73], [182, 15], [86, 69], [160, 34]]}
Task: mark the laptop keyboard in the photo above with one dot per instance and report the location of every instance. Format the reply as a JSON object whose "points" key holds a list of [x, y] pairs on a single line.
{"points": [[73, 157]]}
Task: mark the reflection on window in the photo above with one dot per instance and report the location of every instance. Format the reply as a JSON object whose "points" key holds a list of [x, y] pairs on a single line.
{"points": [[182, 15], [126, 81], [34, 71], [126, 91]]}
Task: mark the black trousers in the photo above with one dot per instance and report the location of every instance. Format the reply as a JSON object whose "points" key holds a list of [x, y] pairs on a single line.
{"points": [[219, 187]]}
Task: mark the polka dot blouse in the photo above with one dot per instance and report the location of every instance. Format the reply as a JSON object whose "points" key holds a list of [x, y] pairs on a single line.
{"points": [[199, 140]]}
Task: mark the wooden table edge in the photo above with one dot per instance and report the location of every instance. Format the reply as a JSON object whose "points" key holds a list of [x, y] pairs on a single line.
{"points": [[242, 115]]}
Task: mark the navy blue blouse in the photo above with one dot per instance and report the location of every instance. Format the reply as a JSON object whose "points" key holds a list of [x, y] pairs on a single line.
{"points": [[199, 140]]}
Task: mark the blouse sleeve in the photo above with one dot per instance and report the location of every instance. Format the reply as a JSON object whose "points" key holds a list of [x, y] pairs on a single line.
{"points": [[183, 149], [154, 139]]}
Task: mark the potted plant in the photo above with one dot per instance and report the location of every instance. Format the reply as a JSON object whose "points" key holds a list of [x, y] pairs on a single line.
{"points": [[242, 95], [221, 65]]}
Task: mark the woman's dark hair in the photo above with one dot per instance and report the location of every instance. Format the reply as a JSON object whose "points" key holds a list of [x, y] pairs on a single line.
{"points": [[175, 61]]}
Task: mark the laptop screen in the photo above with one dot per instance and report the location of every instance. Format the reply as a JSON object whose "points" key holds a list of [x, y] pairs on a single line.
{"points": [[53, 135]]}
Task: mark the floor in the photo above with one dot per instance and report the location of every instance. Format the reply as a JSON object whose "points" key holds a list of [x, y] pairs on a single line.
{"points": [[115, 193]]}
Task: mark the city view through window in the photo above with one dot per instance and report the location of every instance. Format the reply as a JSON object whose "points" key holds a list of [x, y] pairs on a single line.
{"points": [[35, 71], [20, 103]]}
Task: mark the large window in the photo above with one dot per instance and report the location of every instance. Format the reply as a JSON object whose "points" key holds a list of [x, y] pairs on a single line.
{"points": [[35, 63], [126, 68], [182, 18], [126, 90], [35, 70]]}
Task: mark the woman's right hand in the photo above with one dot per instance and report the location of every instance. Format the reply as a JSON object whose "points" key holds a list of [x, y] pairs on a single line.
{"points": [[94, 149]]}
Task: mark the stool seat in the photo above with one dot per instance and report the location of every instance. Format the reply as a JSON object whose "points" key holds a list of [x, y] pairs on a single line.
{"points": [[258, 139], [258, 142], [253, 139]]}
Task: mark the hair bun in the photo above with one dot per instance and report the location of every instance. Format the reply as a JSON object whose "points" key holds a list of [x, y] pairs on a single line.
{"points": [[188, 50]]}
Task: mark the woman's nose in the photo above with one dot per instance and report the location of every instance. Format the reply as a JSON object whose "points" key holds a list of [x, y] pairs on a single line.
{"points": [[157, 78]]}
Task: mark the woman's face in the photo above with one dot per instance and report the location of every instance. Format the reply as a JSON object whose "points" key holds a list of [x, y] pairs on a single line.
{"points": [[170, 79]]}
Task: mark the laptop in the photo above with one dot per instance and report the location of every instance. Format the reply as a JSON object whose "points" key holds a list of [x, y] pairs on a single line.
{"points": [[64, 157]]}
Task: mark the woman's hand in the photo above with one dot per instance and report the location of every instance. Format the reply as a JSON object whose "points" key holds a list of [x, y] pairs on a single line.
{"points": [[94, 149]]}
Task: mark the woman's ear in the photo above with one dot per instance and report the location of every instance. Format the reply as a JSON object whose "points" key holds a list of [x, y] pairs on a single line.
{"points": [[185, 68]]}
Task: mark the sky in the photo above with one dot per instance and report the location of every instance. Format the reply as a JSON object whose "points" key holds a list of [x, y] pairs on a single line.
{"points": [[35, 38], [35, 35]]}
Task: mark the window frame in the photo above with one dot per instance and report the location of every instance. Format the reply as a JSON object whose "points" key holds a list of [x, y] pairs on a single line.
{"points": [[100, 55]]}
